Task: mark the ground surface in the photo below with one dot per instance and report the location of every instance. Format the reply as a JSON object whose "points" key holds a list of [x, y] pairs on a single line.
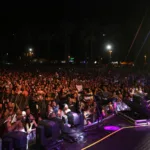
{"points": [[126, 139]]}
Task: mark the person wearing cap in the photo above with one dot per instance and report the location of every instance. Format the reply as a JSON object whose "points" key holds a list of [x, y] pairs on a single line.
{"points": [[24, 115], [68, 115], [66, 109]]}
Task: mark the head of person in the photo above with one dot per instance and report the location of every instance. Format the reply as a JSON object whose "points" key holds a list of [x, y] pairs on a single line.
{"points": [[10, 107], [49, 108], [66, 107], [54, 104], [19, 115], [27, 110], [53, 115]]}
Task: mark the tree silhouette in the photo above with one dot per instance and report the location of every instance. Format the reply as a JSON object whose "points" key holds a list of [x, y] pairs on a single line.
{"points": [[65, 33], [88, 36]]}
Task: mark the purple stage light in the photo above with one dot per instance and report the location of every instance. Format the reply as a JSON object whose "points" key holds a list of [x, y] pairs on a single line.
{"points": [[111, 128]]}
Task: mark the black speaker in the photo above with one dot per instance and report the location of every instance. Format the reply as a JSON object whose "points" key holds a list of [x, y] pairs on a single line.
{"points": [[137, 99], [47, 135], [19, 139], [51, 129], [142, 110], [7, 144], [40, 135]]}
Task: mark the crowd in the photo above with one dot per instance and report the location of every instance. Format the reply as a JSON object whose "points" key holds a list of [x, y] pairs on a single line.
{"points": [[28, 97]]}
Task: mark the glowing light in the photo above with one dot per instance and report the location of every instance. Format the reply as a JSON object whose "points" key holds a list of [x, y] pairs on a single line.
{"points": [[30, 50], [109, 47], [63, 61], [111, 128]]}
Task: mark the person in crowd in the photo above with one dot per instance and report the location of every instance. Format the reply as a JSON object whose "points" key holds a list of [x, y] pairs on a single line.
{"points": [[87, 114], [49, 111], [11, 126], [55, 107], [72, 104], [21, 122], [54, 118], [30, 122]]}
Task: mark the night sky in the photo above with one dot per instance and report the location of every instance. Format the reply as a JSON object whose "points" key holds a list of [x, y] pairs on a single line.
{"points": [[63, 28]]}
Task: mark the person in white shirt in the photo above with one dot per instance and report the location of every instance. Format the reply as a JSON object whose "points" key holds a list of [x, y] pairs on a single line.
{"points": [[66, 111]]}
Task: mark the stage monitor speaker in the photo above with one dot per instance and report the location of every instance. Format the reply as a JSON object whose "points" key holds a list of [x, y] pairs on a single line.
{"points": [[7, 144], [19, 139], [140, 109], [51, 129], [40, 136]]}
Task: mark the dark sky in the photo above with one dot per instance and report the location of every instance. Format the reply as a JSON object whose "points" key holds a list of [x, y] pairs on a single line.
{"points": [[60, 28]]}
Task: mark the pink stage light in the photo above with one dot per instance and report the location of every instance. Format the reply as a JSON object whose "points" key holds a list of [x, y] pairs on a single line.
{"points": [[111, 128]]}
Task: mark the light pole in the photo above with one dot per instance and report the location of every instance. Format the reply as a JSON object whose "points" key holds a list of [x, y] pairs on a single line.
{"points": [[30, 50], [109, 48], [30, 53], [110, 52], [145, 57]]}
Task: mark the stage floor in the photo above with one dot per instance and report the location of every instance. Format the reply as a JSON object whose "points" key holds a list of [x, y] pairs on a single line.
{"points": [[96, 133], [127, 137]]}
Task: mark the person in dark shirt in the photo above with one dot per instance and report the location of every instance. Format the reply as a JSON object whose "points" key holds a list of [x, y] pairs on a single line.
{"points": [[72, 105], [55, 107], [63, 127], [57, 120]]}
